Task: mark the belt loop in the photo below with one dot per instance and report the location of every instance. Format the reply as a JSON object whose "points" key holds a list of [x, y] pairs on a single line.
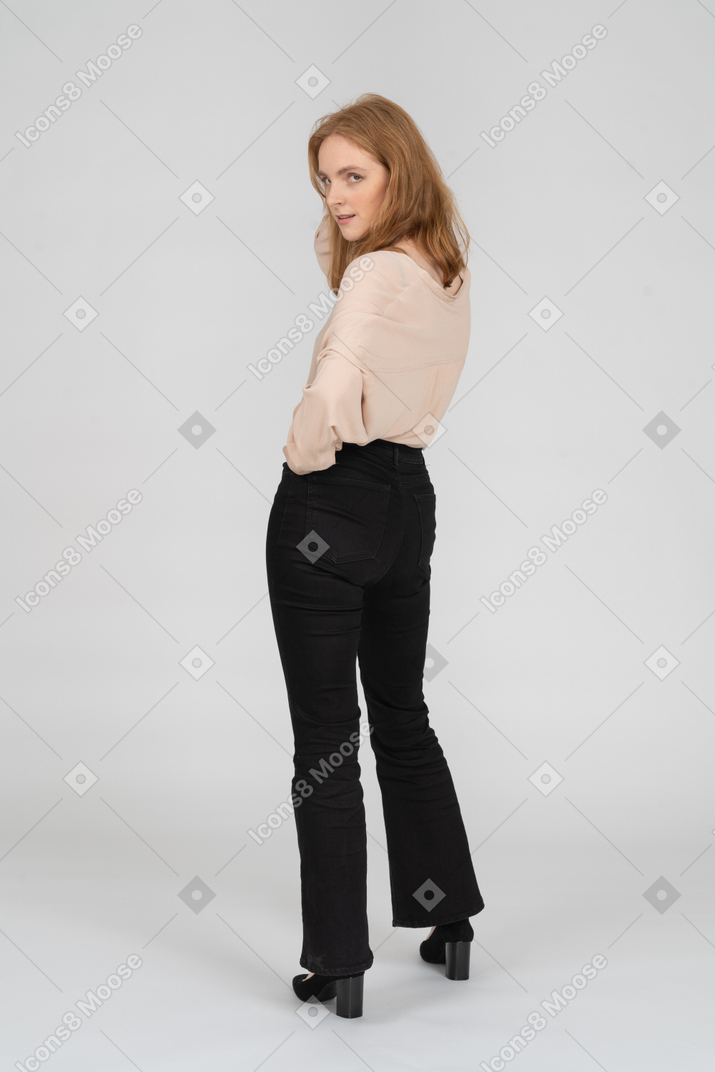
{"points": [[396, 455]]}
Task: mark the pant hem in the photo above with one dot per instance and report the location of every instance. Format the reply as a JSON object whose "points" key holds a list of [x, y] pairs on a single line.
{"points": [[436, 921], [305, 963]]}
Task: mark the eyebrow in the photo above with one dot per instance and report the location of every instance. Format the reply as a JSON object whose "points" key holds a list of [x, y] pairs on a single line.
{"points": [[348, 167]]}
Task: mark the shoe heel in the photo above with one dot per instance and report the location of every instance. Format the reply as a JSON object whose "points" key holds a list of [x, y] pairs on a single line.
{"points": [[457, 959], [349, 992]]}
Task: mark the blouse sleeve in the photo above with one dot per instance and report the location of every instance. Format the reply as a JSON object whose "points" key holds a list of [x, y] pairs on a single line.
{"points": [[329, 414], [331, 410]]}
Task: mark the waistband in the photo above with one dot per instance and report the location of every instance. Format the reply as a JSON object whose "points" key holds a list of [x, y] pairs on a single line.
{"points": [[396, 453]]}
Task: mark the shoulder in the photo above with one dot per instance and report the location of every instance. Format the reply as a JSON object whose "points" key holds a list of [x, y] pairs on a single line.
{"points": [[373, 282], [380, 269]]}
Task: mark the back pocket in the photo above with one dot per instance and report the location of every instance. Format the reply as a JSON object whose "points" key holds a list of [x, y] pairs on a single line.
{"points": [[348, 516], [427, 507]]}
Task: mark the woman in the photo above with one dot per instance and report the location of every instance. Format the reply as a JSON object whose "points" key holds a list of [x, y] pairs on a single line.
{"points": [[348, 549]]}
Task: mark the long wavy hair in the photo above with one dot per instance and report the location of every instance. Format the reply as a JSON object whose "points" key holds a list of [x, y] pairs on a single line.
{"points": [[418, 204]]}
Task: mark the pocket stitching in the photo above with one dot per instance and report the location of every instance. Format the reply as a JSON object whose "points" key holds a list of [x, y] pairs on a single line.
{"points": [[424, 560], [284, 514]]}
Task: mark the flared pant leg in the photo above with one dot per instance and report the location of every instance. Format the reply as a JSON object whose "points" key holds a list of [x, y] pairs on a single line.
{"points": [[432, 877], [317, 619]]}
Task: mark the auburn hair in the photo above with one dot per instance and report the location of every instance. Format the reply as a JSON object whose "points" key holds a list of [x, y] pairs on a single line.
{"points": [[418, 204]]}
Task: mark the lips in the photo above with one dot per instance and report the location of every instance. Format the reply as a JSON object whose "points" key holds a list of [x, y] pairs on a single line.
{"points": [[347, 217]]}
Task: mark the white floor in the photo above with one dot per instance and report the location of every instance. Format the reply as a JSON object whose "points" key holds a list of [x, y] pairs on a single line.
{"points": [[213, 987]]}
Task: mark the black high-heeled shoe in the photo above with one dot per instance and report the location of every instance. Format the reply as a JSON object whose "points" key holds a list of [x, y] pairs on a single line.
{"points": [[348, 989], [449, 944]]}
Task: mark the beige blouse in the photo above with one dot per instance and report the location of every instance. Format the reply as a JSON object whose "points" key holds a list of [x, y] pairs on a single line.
{"points": [[387, 360]]}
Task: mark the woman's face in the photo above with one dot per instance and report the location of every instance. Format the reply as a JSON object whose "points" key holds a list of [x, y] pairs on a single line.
{"points": [[354, 182]]}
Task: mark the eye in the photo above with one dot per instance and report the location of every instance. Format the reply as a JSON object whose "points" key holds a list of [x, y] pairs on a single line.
{"points": [[325, 180]]}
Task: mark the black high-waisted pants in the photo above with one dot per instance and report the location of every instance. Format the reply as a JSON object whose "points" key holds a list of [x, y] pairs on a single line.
{"points": [[348, 562]]}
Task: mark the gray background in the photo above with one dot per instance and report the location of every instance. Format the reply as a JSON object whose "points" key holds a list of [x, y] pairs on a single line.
{"points": [[154, 857]]}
